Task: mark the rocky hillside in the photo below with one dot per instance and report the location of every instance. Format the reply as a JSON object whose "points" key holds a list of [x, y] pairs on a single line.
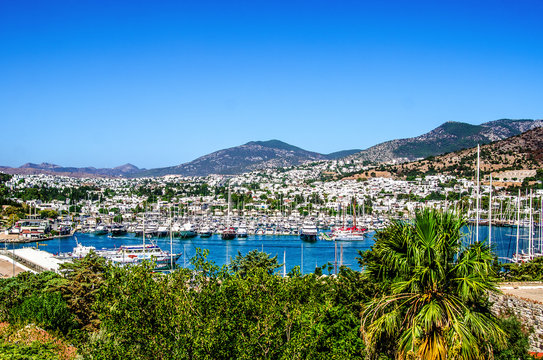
{"points": [[524, 151], [251, 156], [451, 136], [46, 168], [235, 160], [254, 155]]}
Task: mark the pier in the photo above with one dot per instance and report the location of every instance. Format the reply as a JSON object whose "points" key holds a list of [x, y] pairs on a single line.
{"points": [[34, 259]]}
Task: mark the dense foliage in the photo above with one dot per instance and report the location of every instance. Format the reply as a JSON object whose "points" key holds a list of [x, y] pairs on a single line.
{"points": [[253, 261], [421, 296], [214, 314], [525, 271]]}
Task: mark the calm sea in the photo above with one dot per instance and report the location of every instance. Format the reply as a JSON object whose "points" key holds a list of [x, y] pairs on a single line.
{"points": [[294, 251]]}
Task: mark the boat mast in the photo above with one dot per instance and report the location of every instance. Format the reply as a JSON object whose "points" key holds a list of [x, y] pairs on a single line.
{"points": [[344, 223], [284, 263], [530, 234], [143, 231], [171, 242], [354, 214], [490, 214], [477, 199], [518, 225], [335, 257], [341, 256], [302, 259], [228, 215]]}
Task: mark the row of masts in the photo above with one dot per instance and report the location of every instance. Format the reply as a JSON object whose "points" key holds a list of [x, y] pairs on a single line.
{"points": [[531, 241]]}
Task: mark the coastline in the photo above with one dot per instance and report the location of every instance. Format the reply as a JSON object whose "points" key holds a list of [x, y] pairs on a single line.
{"points": [[17, 239]]}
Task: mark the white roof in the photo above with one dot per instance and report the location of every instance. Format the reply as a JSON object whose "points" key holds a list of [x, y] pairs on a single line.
{"points": [[41, 258]]}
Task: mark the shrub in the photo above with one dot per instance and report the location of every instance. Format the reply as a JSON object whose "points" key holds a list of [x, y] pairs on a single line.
{"points": [[48, 310]]}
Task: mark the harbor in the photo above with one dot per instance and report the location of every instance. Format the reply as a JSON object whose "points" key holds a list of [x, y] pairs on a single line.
{"points": [[289, 249]]}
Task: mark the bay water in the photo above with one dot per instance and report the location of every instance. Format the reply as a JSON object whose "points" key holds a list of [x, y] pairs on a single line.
{"points": [[288, 249]]}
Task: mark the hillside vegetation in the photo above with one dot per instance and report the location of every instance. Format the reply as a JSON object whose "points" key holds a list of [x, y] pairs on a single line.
{"points": [[450, 136], [524, 151]]}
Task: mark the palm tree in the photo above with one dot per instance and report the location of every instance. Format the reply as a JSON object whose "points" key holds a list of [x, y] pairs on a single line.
{"points": [[435, 302]]}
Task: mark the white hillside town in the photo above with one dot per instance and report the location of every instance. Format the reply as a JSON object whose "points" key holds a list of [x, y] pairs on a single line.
{"points": [[268, 201]]}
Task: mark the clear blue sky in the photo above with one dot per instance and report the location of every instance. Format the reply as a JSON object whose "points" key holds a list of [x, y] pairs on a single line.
{"points": [[159, 83]]}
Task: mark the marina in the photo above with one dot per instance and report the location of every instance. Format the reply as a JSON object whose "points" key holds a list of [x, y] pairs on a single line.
{"points": [[289, 247]]}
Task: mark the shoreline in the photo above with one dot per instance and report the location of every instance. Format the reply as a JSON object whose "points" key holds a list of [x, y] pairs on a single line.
{"points": [[17, 239]]}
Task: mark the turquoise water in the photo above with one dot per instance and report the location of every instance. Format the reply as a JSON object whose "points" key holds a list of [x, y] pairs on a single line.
{"points": [[294, 250]]}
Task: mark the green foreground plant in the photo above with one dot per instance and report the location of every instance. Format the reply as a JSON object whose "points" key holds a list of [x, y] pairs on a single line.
{"points": [[434, 303], [422, 295]]}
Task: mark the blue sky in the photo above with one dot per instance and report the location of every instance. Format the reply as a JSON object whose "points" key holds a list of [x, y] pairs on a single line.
{"points": [[159, 83]]}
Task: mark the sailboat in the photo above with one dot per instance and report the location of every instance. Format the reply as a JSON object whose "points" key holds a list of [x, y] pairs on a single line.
{"points": [[353, 233], [229, 232]]}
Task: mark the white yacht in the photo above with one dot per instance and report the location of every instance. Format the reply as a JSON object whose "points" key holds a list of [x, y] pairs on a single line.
{"points": [[308, 232]]}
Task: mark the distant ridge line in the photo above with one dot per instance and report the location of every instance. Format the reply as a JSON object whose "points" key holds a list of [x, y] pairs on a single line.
{"points": [[255, 155]]}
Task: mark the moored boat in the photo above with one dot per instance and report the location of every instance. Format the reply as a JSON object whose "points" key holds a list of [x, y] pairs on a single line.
{"points": [[187, 231], [308, 232], [228, 233], [241, 232], [128, 255], [136, 254], [205, 232], [118, 230], [349, 234], [101, 229]]}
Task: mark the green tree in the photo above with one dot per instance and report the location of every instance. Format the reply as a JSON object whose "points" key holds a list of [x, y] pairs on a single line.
{"points": [[83, 281], [254, 260], [518, 344], [14, 291], [48, 214], [436, 304], [34, 351], [208, 313]]}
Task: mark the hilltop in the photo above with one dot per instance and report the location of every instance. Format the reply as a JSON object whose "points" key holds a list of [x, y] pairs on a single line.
{"points": [[448, 137], [524, 151], [257, 155], [247, 157]]}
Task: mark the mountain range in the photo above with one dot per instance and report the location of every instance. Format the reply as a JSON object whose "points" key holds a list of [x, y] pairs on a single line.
{"points": [[524, 151], [450, 136], [52, 169], [254, 155]]}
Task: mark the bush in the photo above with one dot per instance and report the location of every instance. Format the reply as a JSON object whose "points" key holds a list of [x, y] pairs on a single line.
{"points": [[517, 341], [213, 314], [47, 310], [14, 291], [34, 351]]}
